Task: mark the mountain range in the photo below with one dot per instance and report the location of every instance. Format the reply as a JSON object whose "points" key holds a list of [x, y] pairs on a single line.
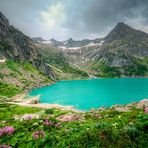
{"points": [[123, 52]]}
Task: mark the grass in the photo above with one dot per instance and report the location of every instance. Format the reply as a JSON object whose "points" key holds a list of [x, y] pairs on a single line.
{"points": [[108, 128], [23, 75], [54, 57], [65, 72], [9, 90], [7, 111], [137, 67]]}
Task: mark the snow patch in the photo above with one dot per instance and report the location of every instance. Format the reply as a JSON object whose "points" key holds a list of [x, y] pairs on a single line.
{"points": [[69, 48], [47, 42], [92, 44], [101, 43]]}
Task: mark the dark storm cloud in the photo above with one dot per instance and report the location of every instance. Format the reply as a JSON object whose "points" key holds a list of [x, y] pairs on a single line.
{"points": [[75, 18], [97, 15]]}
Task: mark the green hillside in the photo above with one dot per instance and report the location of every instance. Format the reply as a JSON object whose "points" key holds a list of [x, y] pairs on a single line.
{"points": [[16, 77]]}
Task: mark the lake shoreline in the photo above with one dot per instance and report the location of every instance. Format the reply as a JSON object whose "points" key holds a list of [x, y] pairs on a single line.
{"points": [[35, 102], [25, 100], [94, 93], [36, 99]]}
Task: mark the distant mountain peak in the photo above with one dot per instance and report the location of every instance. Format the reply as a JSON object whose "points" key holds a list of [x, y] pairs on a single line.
{"points": [[52, 39], [3, 18], [123, 27], [122, 24], [70, 39], [121, 30], [38, 39]]}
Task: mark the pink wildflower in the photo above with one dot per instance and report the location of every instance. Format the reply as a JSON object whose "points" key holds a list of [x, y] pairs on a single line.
{"points": [[57, 125], [146, 110], [28, 117], [48, 123], [9, 129], [6, 130], [2, 132], [38, 134]]}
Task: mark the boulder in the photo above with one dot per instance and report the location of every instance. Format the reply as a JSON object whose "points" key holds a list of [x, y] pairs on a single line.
{"points": [[69, 117], [34, 100], [27, 117], [122, 109], [142, 103]]}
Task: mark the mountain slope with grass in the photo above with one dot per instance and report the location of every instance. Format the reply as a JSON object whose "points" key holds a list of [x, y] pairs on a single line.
{"points": [[16, 46], [124, 53], [18, 77], [60, 63]]}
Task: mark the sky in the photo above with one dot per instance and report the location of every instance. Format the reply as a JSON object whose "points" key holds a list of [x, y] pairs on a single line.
{"points": [[77, 19]]}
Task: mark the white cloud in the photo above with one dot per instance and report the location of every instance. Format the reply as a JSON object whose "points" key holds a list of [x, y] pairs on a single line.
{"points": [[53, 16]]}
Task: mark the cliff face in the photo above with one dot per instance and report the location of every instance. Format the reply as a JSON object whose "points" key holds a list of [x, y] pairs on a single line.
{"points": [[16, 46]]}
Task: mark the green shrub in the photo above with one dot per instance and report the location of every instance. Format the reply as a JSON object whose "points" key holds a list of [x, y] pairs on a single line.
{"points": [[8, 90], [49, 111]]}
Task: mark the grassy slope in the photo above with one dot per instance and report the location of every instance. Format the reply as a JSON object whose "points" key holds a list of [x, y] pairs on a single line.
{"points": [[107, 128], [61, 66], [16, 77], [138, 68], [8, 90], [67, 72]]}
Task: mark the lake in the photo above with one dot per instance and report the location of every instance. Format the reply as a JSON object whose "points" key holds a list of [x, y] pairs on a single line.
{"points": [[95, 93]]}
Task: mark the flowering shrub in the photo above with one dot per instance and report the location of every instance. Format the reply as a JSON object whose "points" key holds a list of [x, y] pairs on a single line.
{"points": [[48, 123], [39, 134], [57, 124], [6, 130]]}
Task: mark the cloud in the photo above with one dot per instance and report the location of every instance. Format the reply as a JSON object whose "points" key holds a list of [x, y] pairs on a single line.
{"points": [[99, 16], [62, 19], [54, 15]]}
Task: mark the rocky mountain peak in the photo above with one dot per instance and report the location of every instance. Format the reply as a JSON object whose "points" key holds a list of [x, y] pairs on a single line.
{"points": [[38, 39], [4, 25], [3, 19], [70, 39], [120, 31], [16, 46]]}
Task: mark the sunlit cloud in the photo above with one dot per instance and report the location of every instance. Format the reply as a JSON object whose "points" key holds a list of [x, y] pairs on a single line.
{"points": [[53, 16]]}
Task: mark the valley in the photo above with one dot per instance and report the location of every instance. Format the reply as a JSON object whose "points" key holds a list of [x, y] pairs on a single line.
{"points": [[122, 53], [85, 93]]}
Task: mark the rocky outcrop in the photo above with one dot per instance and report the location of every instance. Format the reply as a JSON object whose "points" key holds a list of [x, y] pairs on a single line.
{"points": [[142, 103], [26, 117], [123, 31], [34, 100], [69, 117], [14, 45], [128, 107]]}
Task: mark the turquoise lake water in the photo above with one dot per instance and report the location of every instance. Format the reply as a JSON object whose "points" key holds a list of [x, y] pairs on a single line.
{"points": [[87, 94]]}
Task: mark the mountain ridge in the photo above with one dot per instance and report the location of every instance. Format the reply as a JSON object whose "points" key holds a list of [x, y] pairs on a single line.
{"points": [[122, 49], [118, 32], [14, 45]]}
